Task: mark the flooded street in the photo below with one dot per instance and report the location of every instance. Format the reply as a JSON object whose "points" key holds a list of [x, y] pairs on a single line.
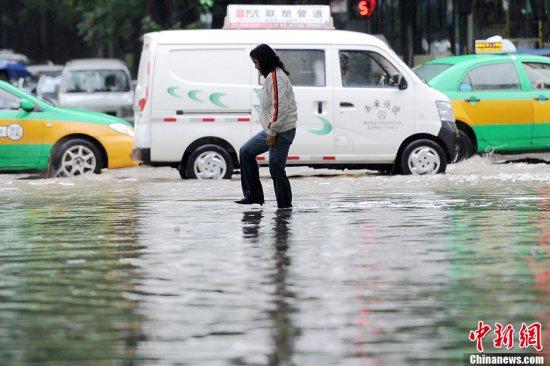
{"points": [[138, 267]]}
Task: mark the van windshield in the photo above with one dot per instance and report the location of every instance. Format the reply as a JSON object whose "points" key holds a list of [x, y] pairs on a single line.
{"points": [[91, 81]]}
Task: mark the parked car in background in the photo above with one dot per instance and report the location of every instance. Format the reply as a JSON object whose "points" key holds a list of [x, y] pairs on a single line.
{"points": [[36, 135], [501, 101], [44, 80], [102, 85], [48, 87]]}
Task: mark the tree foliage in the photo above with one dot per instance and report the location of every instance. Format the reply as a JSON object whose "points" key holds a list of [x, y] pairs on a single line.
{"points": [[104, 24], [63, 29]]}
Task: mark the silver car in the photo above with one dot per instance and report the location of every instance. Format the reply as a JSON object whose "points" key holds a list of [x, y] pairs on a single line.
{"points": [[102, 85]]}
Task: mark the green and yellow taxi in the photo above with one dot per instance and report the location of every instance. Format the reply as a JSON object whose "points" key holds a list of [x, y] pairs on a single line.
{"points": [[501, 100], [37, 136]]}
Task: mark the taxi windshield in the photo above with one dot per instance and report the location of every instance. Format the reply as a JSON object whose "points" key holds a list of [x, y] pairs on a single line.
{"points": [[90, 81], [428, 71]]}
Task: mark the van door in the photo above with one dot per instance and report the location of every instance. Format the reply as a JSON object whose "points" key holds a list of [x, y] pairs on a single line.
{"points": [[314, 100], [373, 114], [142, 95], [21, 134]]}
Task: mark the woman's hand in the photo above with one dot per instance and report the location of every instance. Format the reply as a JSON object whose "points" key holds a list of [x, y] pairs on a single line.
{"points": [[270, 140]]}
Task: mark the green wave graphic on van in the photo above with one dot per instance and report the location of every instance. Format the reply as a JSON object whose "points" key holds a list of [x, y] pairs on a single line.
{"points": [[173, 91], [192, 94], [325, 130], [215, 99]]}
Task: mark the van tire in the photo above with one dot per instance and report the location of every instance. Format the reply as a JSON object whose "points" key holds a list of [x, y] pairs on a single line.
{"points": [[74, 157], [183, 171], [209, 162], [423, 157], [465, 146]]}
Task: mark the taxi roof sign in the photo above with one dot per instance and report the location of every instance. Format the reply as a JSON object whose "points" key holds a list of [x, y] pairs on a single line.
{"points": [[278, 17], [488, 47], [494, 44]]}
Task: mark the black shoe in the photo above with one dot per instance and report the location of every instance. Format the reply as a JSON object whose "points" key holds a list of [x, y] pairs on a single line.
{"points": [[248, 201]]}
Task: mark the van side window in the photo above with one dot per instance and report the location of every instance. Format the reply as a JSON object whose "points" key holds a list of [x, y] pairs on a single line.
{"points": [[306, 67], [491, 77], [366, 69]]}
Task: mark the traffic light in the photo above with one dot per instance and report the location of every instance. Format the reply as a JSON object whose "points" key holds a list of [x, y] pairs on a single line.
{"points": [[362, 8]]}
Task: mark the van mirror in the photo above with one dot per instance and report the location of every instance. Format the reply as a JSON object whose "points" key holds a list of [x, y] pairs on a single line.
{"points": [[399, 81], [403, 84], [26, 105]]}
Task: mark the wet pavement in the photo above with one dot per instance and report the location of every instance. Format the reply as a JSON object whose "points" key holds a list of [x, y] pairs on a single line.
{"points": [[138, 267]]}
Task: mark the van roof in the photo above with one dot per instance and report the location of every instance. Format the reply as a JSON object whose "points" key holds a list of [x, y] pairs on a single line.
{"points": [[95, 64], [253, 36]]}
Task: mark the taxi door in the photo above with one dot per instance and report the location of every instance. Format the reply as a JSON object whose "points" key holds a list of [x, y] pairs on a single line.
{"points": [[21, 134], [373, 115], [538, 74], [498, 109]]}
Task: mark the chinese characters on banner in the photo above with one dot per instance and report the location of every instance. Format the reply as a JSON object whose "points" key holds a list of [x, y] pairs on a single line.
{"points": [[504, 336], [278, 16]]}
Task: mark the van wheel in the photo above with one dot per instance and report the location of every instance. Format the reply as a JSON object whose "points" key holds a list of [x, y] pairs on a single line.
{"points": [[183, 171], [209, 162], [423, 157], [75, 157], [465, 146]]}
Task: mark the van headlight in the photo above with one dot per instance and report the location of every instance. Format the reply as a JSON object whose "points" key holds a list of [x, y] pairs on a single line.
{"points": [[445, 110], [122, 128]]}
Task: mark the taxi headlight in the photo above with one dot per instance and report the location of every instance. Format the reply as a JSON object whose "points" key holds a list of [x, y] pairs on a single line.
{"points": [[122, 128], [445, 110]]}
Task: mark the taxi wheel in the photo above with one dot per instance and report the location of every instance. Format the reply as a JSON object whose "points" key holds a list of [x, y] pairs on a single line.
{"points": [[75, 157], [209, 162], [465, 146], [423, 157]]}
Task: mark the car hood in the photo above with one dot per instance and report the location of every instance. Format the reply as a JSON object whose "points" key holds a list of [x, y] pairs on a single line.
{"points": [[83, 115]]}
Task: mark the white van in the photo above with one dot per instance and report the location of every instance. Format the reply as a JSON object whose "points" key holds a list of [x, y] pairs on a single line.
{"points": [[101, 85], [359, 105]]}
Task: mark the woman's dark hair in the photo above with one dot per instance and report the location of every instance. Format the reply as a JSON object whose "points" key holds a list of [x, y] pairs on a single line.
{"points": [[268, 59]]}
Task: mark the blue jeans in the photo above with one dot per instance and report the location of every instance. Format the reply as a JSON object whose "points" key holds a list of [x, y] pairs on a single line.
{"points": [[250, 172]]}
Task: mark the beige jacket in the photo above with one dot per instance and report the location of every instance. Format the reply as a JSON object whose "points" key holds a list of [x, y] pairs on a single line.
{"points": [[278, 105]]}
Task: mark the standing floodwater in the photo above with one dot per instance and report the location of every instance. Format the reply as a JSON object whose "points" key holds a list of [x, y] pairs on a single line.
{"points": [[138, 265]]}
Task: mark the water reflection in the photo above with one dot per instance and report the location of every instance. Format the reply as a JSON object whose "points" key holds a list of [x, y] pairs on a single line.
{"points": [[365, 270], [283, 331], [251, 224], [497, 260], [64, 276]]}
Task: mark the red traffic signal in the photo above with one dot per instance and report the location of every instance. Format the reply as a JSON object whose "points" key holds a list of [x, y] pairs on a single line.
{"points": [[364, 8]]}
